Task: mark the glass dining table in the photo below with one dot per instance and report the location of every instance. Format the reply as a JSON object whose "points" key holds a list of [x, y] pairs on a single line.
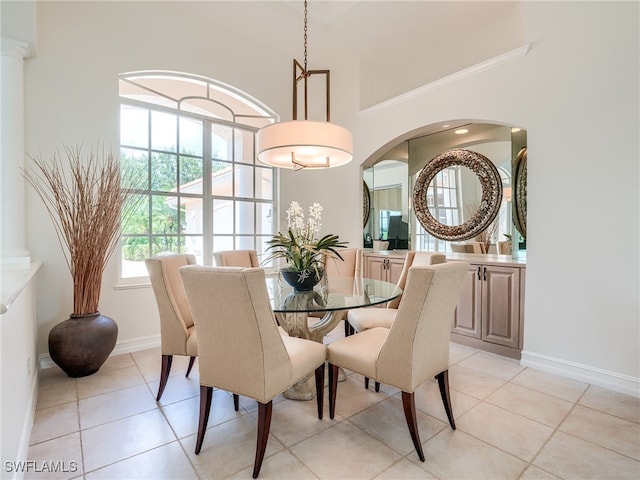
{"points": [[312, 314]]}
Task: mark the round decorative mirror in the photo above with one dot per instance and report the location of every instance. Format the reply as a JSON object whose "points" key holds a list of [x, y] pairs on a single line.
{"points": [[487, 208], [520, 194]]}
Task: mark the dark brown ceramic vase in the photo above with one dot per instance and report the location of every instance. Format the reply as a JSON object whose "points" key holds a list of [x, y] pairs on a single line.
{"points": [[82, 343]]}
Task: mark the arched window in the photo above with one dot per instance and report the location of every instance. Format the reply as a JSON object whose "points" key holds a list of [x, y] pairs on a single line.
{"points": [[192, 139]]}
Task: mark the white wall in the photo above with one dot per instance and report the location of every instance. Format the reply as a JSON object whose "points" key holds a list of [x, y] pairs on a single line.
{"points": [[578, 101], [576, 92]]}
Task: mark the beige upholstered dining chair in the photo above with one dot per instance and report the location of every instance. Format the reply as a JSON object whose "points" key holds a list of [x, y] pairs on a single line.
{"points": [[241, 350], [177, 332], [361, 319], [414, 349], [350, 266], [236, 258]]}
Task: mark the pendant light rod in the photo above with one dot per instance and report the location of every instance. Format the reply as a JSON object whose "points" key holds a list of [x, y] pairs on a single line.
{"points": [[301, 74]]}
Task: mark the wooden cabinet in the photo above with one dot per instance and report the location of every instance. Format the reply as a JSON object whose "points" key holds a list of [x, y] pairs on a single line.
{"points": [[383, 266], [490, 312], [490, 309]]}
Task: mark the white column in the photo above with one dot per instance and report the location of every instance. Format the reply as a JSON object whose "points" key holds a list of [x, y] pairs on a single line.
{"points": [[12, 186]]}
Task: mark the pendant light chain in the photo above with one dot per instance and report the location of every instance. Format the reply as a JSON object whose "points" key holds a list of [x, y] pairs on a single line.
{"points": [[305, 74]]}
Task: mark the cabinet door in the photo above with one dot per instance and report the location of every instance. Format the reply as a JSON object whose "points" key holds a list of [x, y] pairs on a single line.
{"points": [[394, 269], [501, 305], [467, 319], [375, 267]]}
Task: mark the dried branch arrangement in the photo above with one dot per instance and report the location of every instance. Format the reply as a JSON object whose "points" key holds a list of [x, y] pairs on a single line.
{"points": [[488, 235], [86, 203]]}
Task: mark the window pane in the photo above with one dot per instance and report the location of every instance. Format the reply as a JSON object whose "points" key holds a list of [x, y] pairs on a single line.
{"points": [[264, 183], [221, 184], [164, 172], [264, 212], [261, 247], [190, 175], [134, 126], [245, 243], [166, 244], [191, 217], [137, 222], [164, 131], [134, 250], [244, 217], [194, 245], [135, 163], [244, 146], [221, 142], [243, 181], [191, 136], [223, 216], [165, 215], [222, 243]]}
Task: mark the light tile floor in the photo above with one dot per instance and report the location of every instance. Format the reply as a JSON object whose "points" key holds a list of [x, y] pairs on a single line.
{"points": [[513, 423]]}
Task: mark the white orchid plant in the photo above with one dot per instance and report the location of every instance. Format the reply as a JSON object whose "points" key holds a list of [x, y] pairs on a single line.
{"points": [[301, 246]]}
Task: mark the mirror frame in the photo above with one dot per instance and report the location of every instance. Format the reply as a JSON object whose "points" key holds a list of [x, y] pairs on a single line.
{"points": [[520, 193], [366, 204], [488, 209]]}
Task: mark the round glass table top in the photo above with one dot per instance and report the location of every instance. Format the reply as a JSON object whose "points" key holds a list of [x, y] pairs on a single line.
{"points": [[335, 293]]}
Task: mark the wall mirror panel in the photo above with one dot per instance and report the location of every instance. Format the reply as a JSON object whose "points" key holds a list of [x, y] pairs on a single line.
{"points": [[472, 190], [388, 185]]}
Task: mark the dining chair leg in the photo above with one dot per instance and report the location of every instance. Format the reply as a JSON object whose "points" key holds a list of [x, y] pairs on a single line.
{"points": [[366, 383], [347, 328], [206, 394], [443, 383], [236, 401], [409, 406], [191, 362], [333, 389], [377, 387], [165, 368], [264, 423], [320, 389]]}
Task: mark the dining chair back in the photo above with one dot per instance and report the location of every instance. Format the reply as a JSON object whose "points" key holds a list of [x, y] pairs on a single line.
{"points": [[418, 259], [177, 331], [350, 266], [414, 349], [236, 258], [242, 350]]}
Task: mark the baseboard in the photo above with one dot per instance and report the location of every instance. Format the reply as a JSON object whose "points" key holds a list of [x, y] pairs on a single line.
{"points": [[595, 376], [126, 346], [27, 427]]}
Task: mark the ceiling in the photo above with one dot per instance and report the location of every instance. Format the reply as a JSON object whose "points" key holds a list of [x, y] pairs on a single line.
{"points": [[401, 45]]}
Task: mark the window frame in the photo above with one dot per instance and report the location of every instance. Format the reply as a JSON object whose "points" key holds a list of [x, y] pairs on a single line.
{"points": [[208, 122]]}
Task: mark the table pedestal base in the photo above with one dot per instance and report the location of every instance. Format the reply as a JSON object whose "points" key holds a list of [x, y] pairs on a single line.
{"points": [[297, 324], [305, 389]]}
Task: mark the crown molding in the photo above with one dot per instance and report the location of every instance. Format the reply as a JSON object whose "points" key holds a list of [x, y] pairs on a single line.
{"points": [[467, 72]]}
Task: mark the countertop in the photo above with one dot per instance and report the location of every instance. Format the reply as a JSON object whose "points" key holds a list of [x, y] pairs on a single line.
{"points": [[485, 259], [13, 279]]}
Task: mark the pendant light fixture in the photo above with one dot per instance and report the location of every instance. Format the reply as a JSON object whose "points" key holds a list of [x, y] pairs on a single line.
{"points": [[304, 143]]}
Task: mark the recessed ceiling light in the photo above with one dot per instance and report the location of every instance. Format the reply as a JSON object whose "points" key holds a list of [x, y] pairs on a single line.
{"points": [[445, 126], [461, 131], [515, 129]]}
